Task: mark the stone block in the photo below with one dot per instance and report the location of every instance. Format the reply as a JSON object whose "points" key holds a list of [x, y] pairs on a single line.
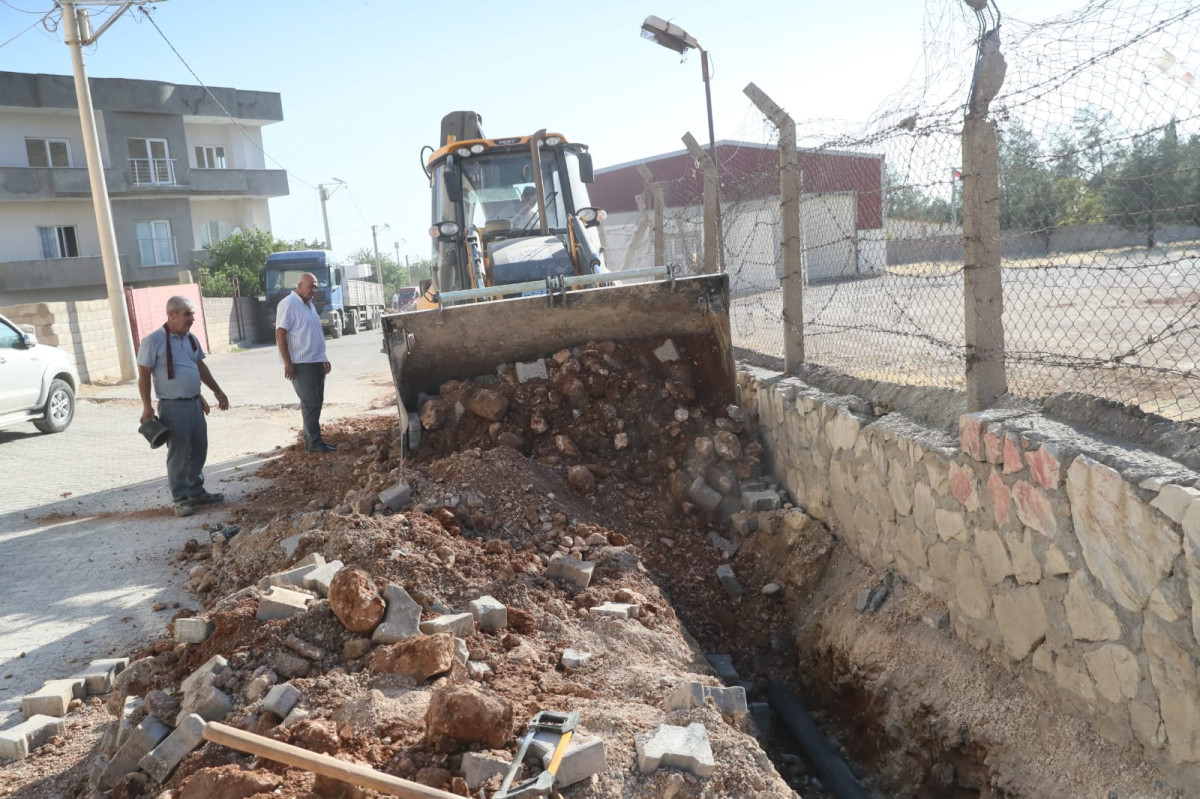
{"points": [[396, 497], [565, 567], [685, 748], [1173, 673], [140, 741], [963, 486], [761, 500], [281, 603], [667, 351], [534, 370], [1022, 620], [459, 624], [462, 652], [583, 758], [1034, 508], [727, 547], [970, 435], [479, 767], [478, 671], [168, 754], [1001, 498], [1045, 465], [703, 495], [193, 630], [53, 698], [17, 742], [615, 610], [760, 712], [289, 544], [489, 612], [993, 555], [743, 522], [730, 701], [292, 578], [1174, 500], [951, 525], [401, 617], [98, 677], [210, 668], [1116, 672], [729, 580], [723, 666], [282, 699], [318, 579], [1090, 618], [574, 658], [206, 701], [970, 588]]}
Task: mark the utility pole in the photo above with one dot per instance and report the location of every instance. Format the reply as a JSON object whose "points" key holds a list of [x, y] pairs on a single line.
{"points": [[325, 195], [398, 260], [375, 238], [91, 145]]}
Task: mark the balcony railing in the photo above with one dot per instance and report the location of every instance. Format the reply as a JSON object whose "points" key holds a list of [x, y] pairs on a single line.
{"points": [[153, 171], [158, 252]]}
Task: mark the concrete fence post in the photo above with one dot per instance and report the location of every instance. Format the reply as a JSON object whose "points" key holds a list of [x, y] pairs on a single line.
{"points": [[712, 221], [639, 233], [789, 229], [658, 221]]}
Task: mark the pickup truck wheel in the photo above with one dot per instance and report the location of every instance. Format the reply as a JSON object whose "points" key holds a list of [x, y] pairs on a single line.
{"points": [[335, 328], [59, 409], [352, 328]]}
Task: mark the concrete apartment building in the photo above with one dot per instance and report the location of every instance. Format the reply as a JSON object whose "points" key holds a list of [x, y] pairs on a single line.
{"points": [[181, 175]]}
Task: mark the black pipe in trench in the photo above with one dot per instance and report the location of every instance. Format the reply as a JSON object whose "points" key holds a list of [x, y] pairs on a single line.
{"points": [[832, 769]]}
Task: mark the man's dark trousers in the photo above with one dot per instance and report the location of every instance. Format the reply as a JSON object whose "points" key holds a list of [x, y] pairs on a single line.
{"points": [[309, 382], [187, 448]]}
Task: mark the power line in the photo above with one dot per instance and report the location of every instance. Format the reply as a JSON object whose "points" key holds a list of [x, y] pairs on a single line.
{"points": [[22, 10], [230, 116], [356, 208], [22, 33]]}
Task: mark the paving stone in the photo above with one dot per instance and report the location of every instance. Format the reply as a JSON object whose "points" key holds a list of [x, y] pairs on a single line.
{"points": [[703, 495], [311, 559], [282, 699], [729, 580], [768, 522], [459, 624], [490, 613], [140, 741], [533, 370], [744, 522], [53, 698], [319, 578], [397, 497], [723, 666], [293, 577], [667, 351], [281, 603], [401, 618], [730, 701], [98, 677], [616, 610], [565, 567], [760, 712], [289, 544], [210, 668], [192, 630], [205, 700], [182, 741], [761, 500], [729, 548], [685, 748], [479, 767], [17, 742], [574, 658], [583, 758]]}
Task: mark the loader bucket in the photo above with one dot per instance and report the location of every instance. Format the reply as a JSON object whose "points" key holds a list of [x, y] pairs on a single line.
{"points": [[427, 348]]}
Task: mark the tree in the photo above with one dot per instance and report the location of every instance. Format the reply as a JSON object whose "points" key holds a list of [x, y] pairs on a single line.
{"points": [[242, 256], [394, 275], [904, 200], [1027, 196]]}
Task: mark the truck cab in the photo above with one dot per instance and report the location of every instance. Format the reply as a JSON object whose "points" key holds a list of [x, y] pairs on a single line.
{"points": [[283, 272]]}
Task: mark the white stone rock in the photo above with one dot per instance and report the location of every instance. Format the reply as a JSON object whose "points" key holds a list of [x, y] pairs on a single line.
{"points": [[684, 748], [950, 525], [479, 767], [459, 624], [533, 370], [574, 658], [1174, 501], [491, 613], [667, 351], [996, 563], [1174, 675], [1021, 617], [970, 590], [1089, 617], [1115, 670]]}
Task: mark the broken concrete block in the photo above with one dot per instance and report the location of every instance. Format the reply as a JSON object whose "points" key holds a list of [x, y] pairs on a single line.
{"points": [[289, 544], [729, 580], [98, 677], [311, 559], [397, 497], [401, 617], [293, 577], [667, 351], [182, 741], [479, 767], [17, 742], [574, 658], [723, 666], [318, 579], [565, 567], [703, 495], [768, 522], [281, 699], [761, 500], [192, 630], [53, 698], [744, 522], [730, 701], [583, 758], [206, 701], [684, 748], [478, 670], [531, 371], [211, 668], [462, 653], [459, 624], [729, 548], [138, 743], [489, 612], [281, 603], [616, 610]]}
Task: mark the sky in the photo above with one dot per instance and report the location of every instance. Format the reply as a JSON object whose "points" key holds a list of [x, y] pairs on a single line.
{"points": [[365, 83]]}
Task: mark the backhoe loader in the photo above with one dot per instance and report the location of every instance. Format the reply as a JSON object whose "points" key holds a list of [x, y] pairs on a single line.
{"points": [[519, 272]]}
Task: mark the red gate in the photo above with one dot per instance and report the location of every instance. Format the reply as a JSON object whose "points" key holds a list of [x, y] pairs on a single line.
{"points": [[148, 310]]}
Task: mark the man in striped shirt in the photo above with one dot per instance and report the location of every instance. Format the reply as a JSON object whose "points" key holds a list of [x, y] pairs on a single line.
{"points": [[301, 344]]}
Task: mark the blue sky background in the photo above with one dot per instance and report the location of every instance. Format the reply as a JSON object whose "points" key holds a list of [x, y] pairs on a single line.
{"points": [[365, 82]]}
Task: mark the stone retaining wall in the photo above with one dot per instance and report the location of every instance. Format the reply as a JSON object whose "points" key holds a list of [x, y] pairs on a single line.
{"points": [[83, 328], [1072, 559]]}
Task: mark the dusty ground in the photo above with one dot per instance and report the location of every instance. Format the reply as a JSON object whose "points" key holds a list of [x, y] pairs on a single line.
{"points": [[920, 714]]}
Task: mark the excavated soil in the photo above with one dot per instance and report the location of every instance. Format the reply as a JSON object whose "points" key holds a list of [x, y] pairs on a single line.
{"points": [[595, 460]]}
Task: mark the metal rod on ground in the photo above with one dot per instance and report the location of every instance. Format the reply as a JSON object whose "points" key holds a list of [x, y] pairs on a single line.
{"points": [[833, 770], [350, 773]]}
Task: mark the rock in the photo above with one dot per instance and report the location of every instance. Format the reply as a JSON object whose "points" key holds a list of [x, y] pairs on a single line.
{"points": [[397, 497], [401, 620], [281, 699], [729, 548], [355, 600], [479, 767], [490, 613], [289, 665], [419, 658], [163, 759], [433, 414], [729, 580], [667, 352], [685, 748], [464, 714], [161, 706], [728, 446], [460, 624], [581, 480], [730, 701], [281, 603], [574, 658], [566, 446], [703, 495], [564, 567], [510, 439], [489, 404], [356, 648], [229, 782], [771, 589], [615, 610], [303, 648]]}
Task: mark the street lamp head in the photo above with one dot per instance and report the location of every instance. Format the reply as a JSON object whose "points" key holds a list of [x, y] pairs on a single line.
{"points": [[669, 36]]}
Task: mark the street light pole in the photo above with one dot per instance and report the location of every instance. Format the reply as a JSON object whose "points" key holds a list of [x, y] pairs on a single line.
{"points": [[398, 261], [103, 209], [375, 238], [325, 195]]}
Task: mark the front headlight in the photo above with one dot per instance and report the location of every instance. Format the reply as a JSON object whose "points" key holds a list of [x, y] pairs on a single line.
{"points": [[477, 148], [444, 229], [463, 152], [590, 215], [553, 141]]}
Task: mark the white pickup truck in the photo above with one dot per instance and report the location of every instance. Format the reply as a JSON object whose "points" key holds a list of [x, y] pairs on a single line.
{"points": [[37, 382]]}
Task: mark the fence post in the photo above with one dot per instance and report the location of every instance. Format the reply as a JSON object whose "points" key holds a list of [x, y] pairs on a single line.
{"points": [[655, 188], [639, 233], [712, 223], [789, 228], [983, 284]]}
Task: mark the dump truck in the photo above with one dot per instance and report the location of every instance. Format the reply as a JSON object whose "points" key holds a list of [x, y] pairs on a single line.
{"points": [[519, 272], [345, 302]]}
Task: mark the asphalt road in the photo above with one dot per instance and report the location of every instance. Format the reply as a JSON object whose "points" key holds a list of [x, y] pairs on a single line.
{"points": [[86, 534]]}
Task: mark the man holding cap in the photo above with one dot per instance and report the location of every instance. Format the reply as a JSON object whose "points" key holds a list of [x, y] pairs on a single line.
{"points": [[172, 357]]}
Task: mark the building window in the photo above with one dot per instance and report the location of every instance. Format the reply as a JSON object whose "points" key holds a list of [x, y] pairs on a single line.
{"points": [[155, 242], [212, 232], [48, 152], [58, 241], [210, 157], [150, 162]]}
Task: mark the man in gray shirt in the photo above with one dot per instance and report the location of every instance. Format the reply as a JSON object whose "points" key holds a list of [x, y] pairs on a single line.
{"points": [[172, 357]]}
